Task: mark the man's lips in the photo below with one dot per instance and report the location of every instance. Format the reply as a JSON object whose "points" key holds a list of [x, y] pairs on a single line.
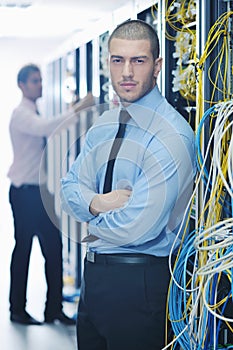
{"points": [[128, 84]]}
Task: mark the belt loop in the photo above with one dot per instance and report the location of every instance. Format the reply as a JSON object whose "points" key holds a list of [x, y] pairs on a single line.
{"points": [[91, 256]]}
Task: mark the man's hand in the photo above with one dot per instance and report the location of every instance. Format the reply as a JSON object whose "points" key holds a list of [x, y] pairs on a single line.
{"points": [[102, 203], [85, 102]]}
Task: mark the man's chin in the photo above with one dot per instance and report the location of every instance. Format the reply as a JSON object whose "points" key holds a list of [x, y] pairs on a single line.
{"points": [[128, 99]]}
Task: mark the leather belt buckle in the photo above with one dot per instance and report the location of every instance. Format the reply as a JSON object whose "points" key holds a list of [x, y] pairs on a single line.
{"points": [[91, 257]]}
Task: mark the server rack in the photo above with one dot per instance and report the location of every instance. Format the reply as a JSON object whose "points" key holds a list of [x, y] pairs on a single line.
{"points": [[212, 80]]}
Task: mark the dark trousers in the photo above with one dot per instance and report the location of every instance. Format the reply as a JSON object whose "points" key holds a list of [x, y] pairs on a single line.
{"points": [[123, 306], [31, 218]]}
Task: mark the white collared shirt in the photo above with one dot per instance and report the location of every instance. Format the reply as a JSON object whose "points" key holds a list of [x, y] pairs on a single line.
{"points": [[28, 132]]}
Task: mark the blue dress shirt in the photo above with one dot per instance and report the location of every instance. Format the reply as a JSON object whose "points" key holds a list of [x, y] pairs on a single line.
{"points": [[156, 161]]}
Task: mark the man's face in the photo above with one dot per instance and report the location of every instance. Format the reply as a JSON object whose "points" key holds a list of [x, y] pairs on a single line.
{"points": [[133, 69], [32, 89]]}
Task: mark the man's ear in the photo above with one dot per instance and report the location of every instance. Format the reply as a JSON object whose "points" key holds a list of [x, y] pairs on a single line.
{"points": [[20, 85], [158, 66]]}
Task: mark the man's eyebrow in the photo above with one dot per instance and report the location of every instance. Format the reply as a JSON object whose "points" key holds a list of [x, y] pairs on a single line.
{"points": [[140, 56], [133, 57], [116, 56]]}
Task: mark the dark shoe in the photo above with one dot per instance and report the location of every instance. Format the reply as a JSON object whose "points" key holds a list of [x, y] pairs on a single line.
{"points": [[24, 318], [62, 318]]}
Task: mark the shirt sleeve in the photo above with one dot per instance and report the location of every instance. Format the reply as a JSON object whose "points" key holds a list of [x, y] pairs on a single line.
{"points": [[77, 191], [165, 175]]}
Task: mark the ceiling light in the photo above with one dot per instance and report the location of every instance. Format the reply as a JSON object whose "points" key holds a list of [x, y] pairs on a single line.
{"points": [[16, 3]]}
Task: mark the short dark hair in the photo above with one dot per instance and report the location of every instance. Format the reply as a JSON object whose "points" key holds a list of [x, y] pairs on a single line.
{"points": [[25, 71], [137, 30]]}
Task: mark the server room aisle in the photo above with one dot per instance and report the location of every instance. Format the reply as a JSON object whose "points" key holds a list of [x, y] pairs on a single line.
{"points": [[14, 336]]}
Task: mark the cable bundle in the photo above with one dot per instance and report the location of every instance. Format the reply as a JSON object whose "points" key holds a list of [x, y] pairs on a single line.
{"points": [[180, 19], [200, 301], [216, 61]]}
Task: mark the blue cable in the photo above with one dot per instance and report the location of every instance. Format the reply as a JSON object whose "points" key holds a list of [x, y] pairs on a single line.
{"points": [[223, 309], [177, 299], [210, 324], [198, 143]]}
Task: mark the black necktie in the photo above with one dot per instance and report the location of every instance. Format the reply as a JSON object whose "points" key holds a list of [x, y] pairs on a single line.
{"points": [[123, 119]]}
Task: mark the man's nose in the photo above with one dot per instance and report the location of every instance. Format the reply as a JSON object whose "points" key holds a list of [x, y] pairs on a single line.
{"points": [[127, 70]]}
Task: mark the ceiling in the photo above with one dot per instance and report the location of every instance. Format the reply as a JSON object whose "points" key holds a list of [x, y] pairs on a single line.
{"points": [[40, 30], [51, 18]]}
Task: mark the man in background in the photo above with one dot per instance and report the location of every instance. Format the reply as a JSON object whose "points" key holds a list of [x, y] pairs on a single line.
{"points": [[28, 131]]}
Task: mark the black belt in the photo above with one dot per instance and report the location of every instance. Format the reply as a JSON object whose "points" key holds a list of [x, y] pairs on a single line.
{"points": [[122, 258]]}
